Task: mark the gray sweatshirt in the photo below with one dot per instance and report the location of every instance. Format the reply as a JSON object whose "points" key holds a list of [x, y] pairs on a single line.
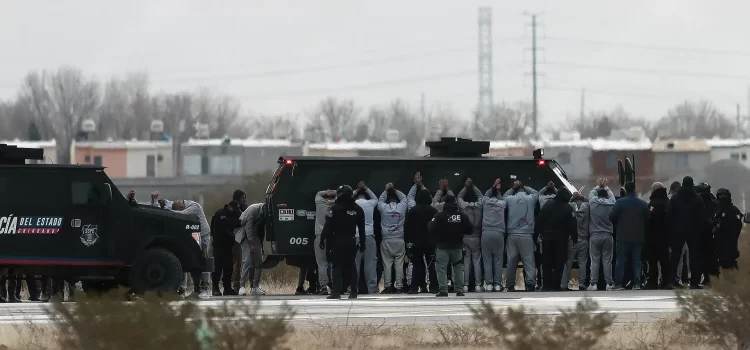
{"points": [[392, 215], [473, 210], [493, 213], [600, 208], [521, 207], [195, 209], [437, 201], [581, 212], [248, 216], [322, 207], [544, 198], [368, 206]]}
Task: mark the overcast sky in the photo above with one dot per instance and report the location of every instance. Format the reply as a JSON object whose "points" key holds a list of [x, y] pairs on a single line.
{"points": [[282, 56]]}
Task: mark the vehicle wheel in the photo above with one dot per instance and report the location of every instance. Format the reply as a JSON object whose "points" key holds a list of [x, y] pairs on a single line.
{"points": [[156, 270]]}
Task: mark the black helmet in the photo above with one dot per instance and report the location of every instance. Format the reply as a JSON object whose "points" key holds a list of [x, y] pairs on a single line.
{"points": [[703, 188], [723, 193], [344, 191]]}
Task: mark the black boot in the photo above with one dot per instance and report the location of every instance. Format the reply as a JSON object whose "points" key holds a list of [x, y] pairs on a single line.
{"points": [[216, 291], [228, 290], [337, 283]]}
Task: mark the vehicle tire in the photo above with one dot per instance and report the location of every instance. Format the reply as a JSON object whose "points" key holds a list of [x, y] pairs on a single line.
{"points": [[157, 270]]}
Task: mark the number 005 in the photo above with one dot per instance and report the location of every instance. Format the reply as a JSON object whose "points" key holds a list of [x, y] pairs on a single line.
{"points": [[298, 240]]}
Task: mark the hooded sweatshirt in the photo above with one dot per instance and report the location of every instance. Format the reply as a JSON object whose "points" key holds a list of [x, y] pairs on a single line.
{"points": [[493, 213], [322, 207], [195, 209], [581, 212], [437, 201], [392, 215], [686, 214], [728, 221], [418, 218], [368, 206], [545, 196], [249, 216], [521, 206], [470, 204], [657, 222], [556, 221], [599, 209], [449, 226]]}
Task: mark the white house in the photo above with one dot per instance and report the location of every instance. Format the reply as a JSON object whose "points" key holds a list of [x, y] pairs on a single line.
{"points": [[736, 150], [353, 149]]}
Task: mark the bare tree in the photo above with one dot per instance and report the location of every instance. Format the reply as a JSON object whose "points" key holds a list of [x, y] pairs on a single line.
{"points": [[599, 124], [220, 112], [411, 129], [505, 122], [443, 121], [378, 122], [340, 115], [273, 127], [696, 119], [60, 101]]}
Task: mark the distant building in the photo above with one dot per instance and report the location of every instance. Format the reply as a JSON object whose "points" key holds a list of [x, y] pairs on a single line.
{"points": [[353, 149], [736, 150], [680, 157], [574, 156], [234, 156], [49, 147], [127, 159], [605, 153]]}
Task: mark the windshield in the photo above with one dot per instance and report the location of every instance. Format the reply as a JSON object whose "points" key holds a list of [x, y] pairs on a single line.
{"points": [[558, 171]]}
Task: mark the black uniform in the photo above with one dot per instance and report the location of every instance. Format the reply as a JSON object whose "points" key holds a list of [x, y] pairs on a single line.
{"points": [[223, 224], [656, 249], [557, 225], [686, 216], [345, 219], [415, 232], [708, 261], [728, 222]]}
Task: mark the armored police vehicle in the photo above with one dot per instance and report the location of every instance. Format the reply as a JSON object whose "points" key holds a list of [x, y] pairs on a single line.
{"points": [[70, 221], [290, 196]]}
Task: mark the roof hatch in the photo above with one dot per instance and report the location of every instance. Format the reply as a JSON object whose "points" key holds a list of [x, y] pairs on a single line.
{"points": [[456, 147]]}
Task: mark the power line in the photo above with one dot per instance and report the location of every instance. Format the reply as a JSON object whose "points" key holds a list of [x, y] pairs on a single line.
{"points": [[654, 47], [648, 71]]}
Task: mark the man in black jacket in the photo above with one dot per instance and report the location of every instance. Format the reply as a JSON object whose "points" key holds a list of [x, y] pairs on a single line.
{"points": [[415, 233], [223, 224], [345, 220], [657, 237], [685, 217], [448, 229], [557, 225], [709, 262], [728, 222]]}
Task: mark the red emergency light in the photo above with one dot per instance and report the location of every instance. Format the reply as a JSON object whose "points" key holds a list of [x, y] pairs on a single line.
{"points": [[288, 162], [541, 162]]}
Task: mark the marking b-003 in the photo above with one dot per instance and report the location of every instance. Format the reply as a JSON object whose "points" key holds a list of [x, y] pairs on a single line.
{"points": [[298, 241]]}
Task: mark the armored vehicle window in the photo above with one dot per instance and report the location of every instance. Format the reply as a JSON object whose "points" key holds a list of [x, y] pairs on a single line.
{"points": [[318, 179], [31, 188], [85, 193]]}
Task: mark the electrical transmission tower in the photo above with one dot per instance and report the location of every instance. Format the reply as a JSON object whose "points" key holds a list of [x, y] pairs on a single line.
{"points": [[534, 73], [485, 61]]}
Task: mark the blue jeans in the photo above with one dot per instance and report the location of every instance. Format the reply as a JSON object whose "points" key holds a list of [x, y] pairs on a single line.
{"points": [[625, 251]]}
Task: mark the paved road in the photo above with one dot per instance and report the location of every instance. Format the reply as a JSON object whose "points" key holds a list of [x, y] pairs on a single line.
{"points": [[628, 306]]}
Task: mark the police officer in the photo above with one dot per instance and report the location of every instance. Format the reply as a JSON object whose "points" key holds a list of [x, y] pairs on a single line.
{"points": [[448, 229], [728, 222], [709, 262], [346, 219]]}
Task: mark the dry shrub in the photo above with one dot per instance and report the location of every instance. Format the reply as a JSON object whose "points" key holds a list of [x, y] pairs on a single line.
{"points": [[657, 335], [153, 322], [579, 328], [721, 315], [463, 335], [346, 335]]}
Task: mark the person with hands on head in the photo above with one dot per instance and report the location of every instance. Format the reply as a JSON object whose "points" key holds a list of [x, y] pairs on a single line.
{"points": [[366, 199], [601, 231], [469, 199], [324, 200], [521, 201], [414, 190], [345, 221], [556, 223], [440, 195], [392, 205], [547, 194], [417, 237], [493, 208], [447, 229], [579, 251]]}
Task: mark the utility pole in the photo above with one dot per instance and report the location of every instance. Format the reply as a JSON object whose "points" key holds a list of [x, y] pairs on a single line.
{"points": [[534, 73], [485, 62], [583, 103]]}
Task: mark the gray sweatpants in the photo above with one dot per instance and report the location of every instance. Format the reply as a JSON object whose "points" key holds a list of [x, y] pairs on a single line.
{"points": [[521, 246], [324, 267], [201, 285], [473, 257], [580, 253], [443, 258], [680, 263], [493, 247], [370, 257], [601, 247], [251, 260], [393, 251]]}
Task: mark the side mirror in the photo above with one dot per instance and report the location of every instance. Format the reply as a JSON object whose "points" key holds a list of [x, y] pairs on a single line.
{"points": [[746, 218], [108, 194]]}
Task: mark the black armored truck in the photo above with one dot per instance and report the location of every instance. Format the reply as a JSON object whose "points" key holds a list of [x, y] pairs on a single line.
{"points": [[289, 197], [70, 221]]}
